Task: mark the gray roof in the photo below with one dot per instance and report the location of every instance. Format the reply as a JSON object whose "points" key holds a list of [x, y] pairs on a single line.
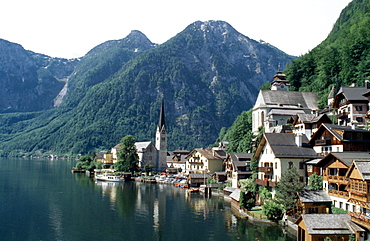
{"points": [[326, 224], [142, 145], [240, 159], [229, 189], [348, 157], [353, 93], [364, 168], [284, 146], [302, 100], [285, 112], [235, 194], [314, 196], [200, 175]]}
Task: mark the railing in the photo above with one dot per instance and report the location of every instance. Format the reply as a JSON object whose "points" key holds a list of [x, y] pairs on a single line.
{"points": [[341, 179], [343, 115], [265, 169], [338, 193], [262, 182], [322, 142], [266, 183], [360, 219]]}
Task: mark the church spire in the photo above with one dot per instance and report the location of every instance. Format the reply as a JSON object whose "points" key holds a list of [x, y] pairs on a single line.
{"points": [[161, 122]]}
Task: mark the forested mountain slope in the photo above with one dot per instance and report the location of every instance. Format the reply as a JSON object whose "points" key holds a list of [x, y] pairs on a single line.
{"points": [[208, 74], [341, 59]]}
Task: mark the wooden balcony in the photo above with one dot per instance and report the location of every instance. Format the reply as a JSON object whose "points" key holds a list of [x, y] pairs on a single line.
{"points": [[265, 169], [322, 142], [266, 183], [338, 179], [337, 193], [361, 220]]}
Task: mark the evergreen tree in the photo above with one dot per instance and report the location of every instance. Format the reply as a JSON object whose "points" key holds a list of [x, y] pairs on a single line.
{"points": [[127, 156], [315, 182], [287, 189]]}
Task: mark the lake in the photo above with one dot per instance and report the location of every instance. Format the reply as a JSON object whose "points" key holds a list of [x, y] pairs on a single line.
{"points": [[42, 200]]}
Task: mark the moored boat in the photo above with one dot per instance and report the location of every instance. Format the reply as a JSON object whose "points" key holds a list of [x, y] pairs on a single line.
{"points": [[110, 177]]}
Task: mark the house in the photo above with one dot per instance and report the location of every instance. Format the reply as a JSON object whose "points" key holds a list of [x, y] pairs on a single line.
{"points": [[275, 106], [359, 191], [314, 202], [308, 124], [352, 105], [205, 160], [334, 138], [333, 168], [176, 161], [197, 179], [312, 227], [237, 166], [277, 152]]}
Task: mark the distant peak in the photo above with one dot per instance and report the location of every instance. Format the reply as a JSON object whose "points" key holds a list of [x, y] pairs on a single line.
{"points": [[214, 26]]}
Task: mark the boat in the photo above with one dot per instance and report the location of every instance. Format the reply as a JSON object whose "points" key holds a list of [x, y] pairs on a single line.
{"points": [[110, 177]]}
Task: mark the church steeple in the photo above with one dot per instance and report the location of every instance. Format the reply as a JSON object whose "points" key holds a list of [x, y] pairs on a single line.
{"points": [[162, 122], [161, 140]]}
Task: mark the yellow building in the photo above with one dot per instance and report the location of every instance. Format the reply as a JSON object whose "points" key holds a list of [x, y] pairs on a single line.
{"points": [[205, 161]]}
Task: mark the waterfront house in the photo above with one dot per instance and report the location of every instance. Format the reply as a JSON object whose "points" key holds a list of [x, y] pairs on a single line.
{"points": [[274, 107], [237, 166], [352, 105], [314, 202], [277, 152], [205, 160], [333, 168], [334, 138], [197, 179], [312, 227], [359, 191], [176, 161]]}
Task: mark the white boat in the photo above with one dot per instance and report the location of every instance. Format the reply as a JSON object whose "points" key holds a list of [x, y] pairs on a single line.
{"points": [[110, 177]]}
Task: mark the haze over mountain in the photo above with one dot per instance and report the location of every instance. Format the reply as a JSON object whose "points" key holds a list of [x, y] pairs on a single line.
{"points": [[208, 74]]}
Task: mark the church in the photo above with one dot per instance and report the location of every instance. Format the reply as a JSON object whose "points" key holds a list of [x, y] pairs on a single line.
{"points": [[149, 153]]}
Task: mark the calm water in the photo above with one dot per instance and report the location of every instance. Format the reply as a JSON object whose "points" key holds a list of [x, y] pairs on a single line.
{"points": [[43, 200]]}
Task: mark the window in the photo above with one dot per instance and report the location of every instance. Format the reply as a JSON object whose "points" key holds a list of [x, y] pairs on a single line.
{"points": [[359, 119], [290, 164], [358, 108], [301, 165], [275, 165]]}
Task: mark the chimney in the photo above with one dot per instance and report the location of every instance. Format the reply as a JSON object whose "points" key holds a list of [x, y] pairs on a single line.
{"points": [[298, 139]]}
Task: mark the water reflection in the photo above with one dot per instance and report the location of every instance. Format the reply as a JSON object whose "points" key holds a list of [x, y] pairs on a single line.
{"points": [[43, 200]]}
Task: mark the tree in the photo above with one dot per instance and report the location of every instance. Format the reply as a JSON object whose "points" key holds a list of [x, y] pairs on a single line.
{"points": [[127, 156], [148, 168], [315, 182], [272, 210], [264, 193], [287, 189], [246, 202]]}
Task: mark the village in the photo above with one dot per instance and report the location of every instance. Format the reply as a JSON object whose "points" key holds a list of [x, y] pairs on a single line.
{"points": [[296, 134]]}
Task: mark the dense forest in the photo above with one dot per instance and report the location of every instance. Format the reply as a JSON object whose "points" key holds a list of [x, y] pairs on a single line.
{"points": [[208, 74], [341, 59]]}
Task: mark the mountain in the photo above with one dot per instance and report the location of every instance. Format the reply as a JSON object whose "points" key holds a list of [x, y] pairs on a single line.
{"points": [[342, 58], [30, 81], [208, 74]]}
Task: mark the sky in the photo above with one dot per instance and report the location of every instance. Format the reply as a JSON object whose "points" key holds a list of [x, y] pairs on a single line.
{"points": [[70, 28]]}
